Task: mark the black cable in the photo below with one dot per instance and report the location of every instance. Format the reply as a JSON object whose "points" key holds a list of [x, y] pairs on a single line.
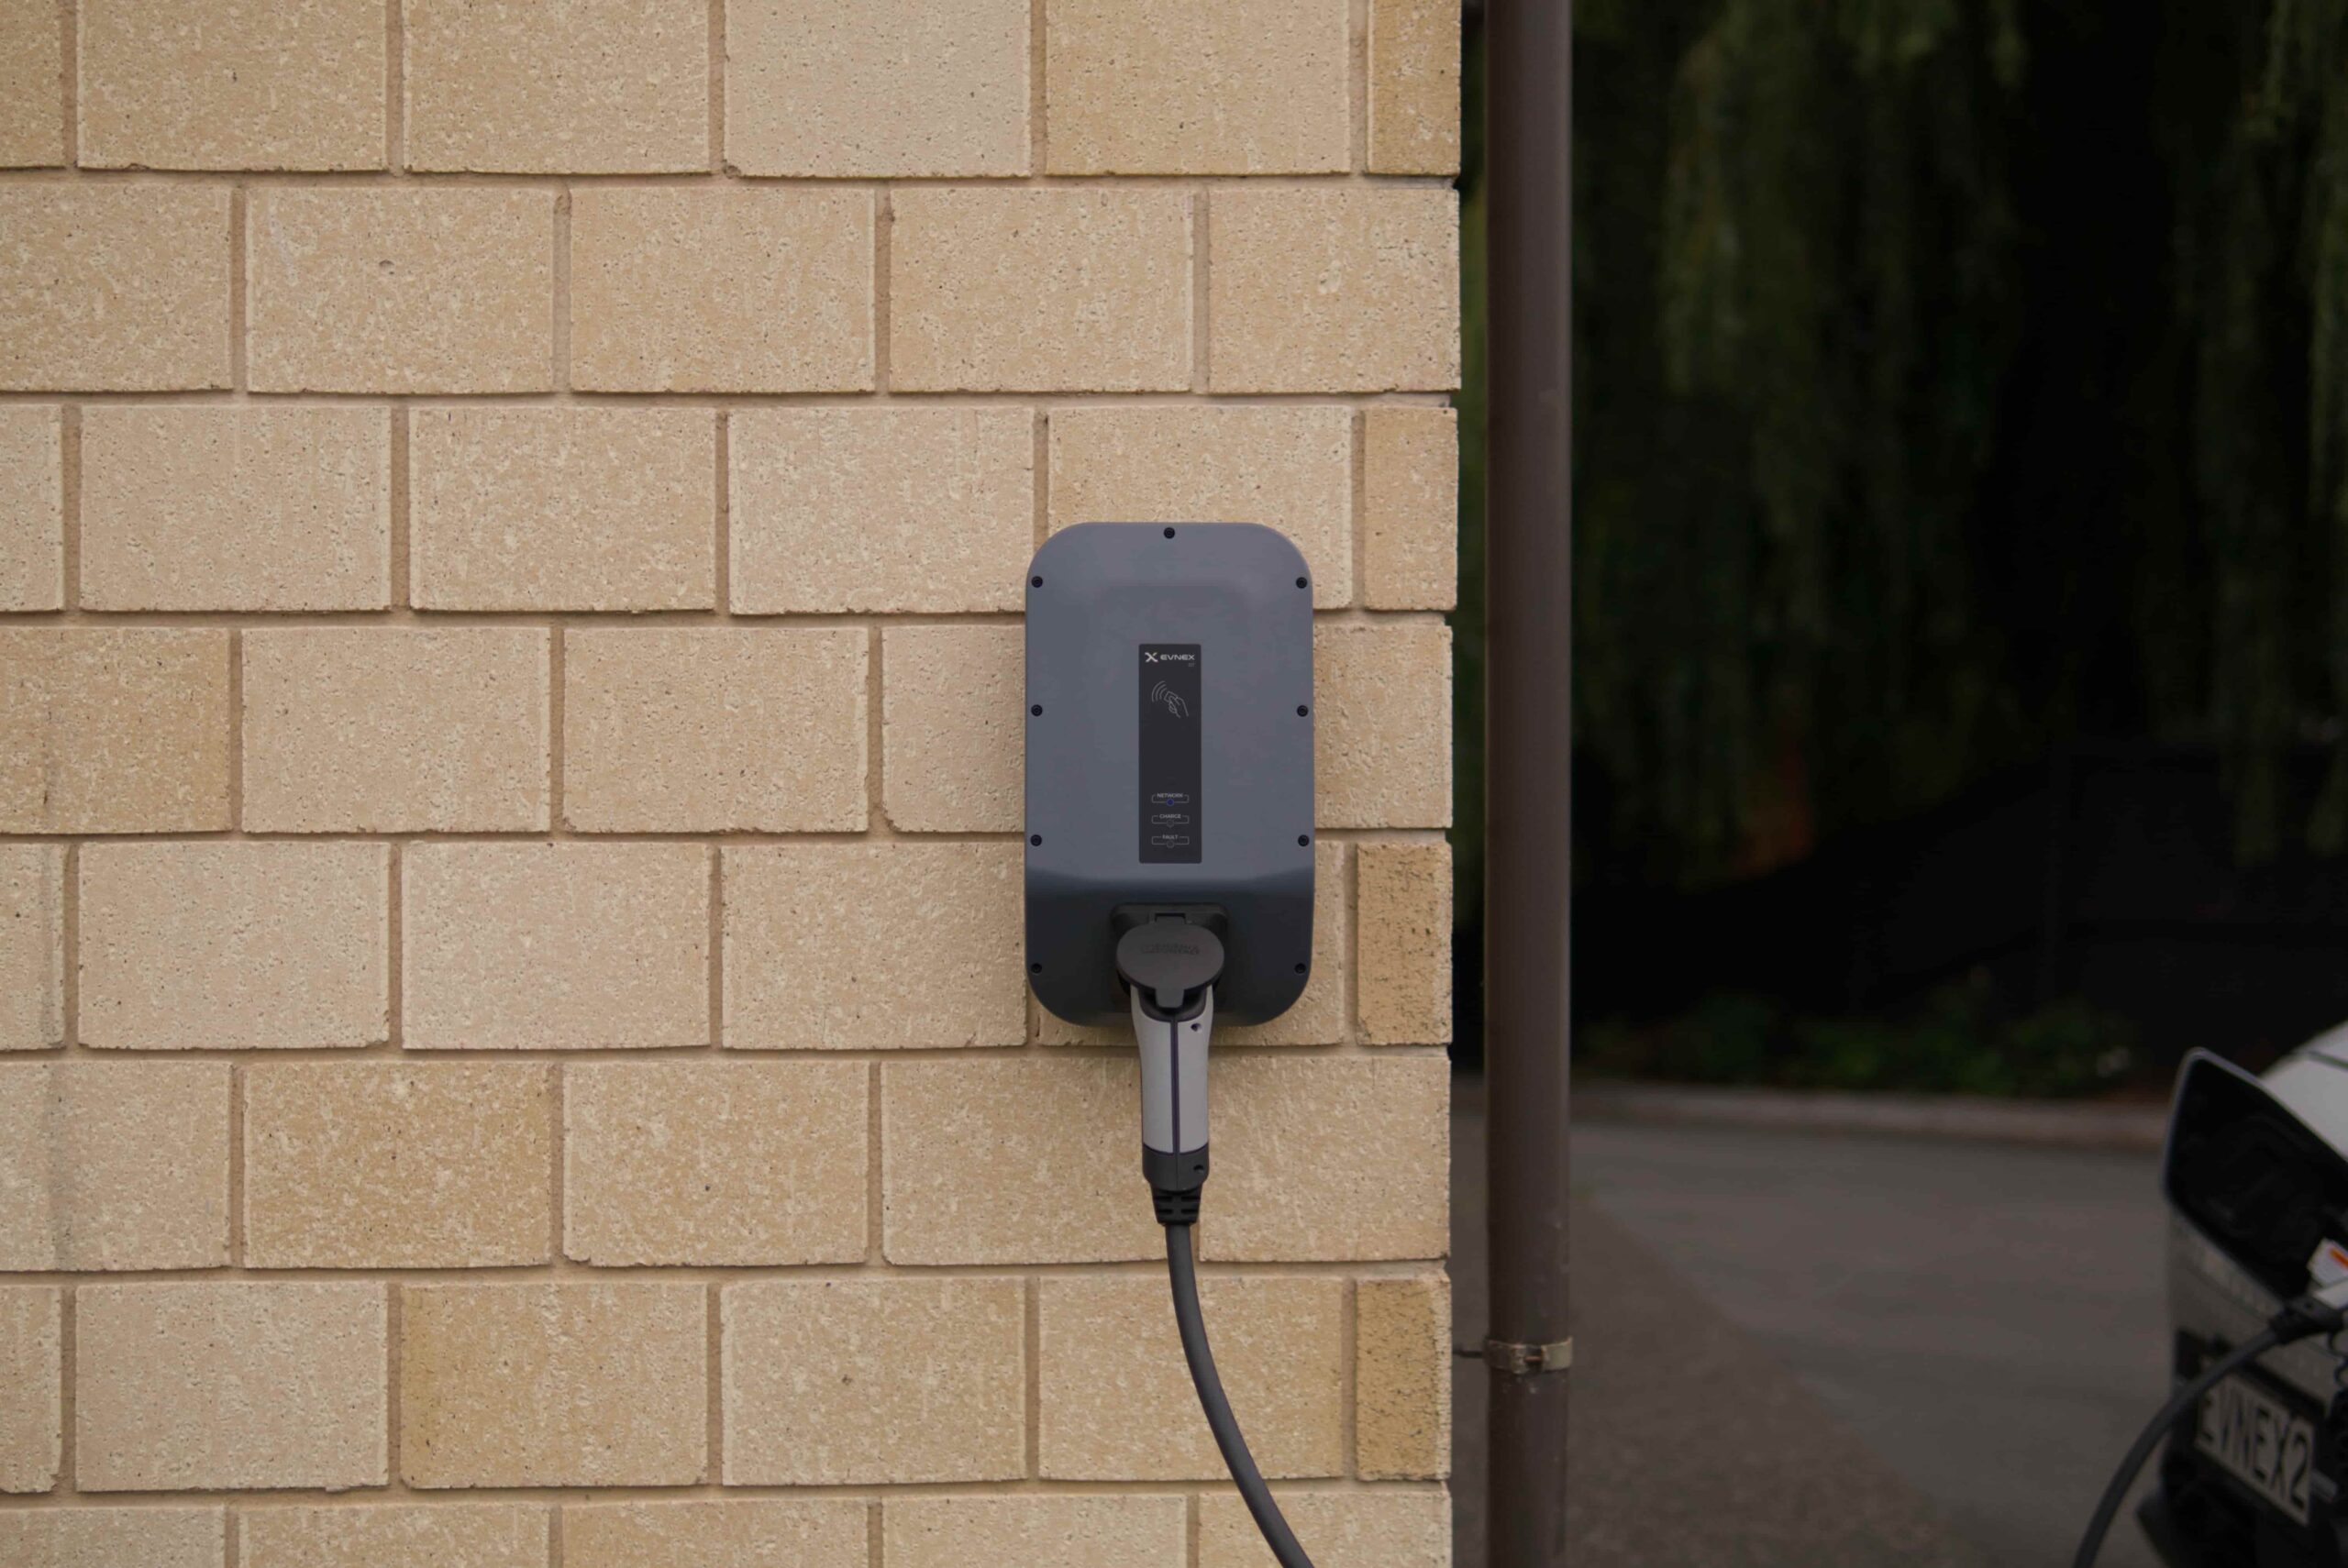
{"points": [[1182, 1269]]}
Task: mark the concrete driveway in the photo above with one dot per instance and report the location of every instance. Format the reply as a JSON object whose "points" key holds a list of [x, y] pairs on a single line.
{"points": [[1836, 1352]]}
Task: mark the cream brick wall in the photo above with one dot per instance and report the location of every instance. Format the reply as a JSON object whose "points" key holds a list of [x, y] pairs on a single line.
{"points": [[512, 522], [32, 508], [32, 1368], [461, 1536], [230, 508], [108, 1538], [562, 508], [829, 1533]]}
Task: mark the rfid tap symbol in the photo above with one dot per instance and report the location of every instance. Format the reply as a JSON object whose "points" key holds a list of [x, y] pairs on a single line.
{"points": [[1171, 699]]}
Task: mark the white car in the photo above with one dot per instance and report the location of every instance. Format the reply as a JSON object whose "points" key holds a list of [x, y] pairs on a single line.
{"points": [[2252, 1479]]}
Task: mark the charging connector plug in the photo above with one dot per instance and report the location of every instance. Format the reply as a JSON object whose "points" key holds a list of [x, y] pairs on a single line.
{"points": [[1169, 962]]}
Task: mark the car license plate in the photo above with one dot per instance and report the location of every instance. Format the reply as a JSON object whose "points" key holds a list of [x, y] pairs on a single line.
{"points": [[2260, 1443]]}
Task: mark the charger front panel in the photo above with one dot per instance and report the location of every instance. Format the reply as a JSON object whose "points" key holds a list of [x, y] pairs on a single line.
{"points": [[1170, 755]]}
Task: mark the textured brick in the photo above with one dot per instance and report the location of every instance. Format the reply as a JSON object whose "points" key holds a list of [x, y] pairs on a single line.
{"points": [[1065, 1182], [1035, 1533], [463, 1536], [32, 946], [716, 1163], [1381, 751], [114, 731], [229, 1386], [235, 508], [852, 947], [823, 1387], [200, 85], [1289, 469], [553, 1384], [1402, 1377], [32, 95], [32, 1421], [1403, 988], [32, 505], [766, 1533], [1334, 289], [721, 289], [381, 289], [113, 287], [587, 87], [951, 733], [1318, 1016], [113, 1165], [369, 730], [1409, 508], [1040, 290], [1384, 1528], [881, 509], [511, 946], [1415, 87], [384, 716], [896, 87], [705, 728], [1285, 1189], [352, 1165], [235, 947], [113, 1538], [1197, 86], [1117, 1402], [563, 508]]}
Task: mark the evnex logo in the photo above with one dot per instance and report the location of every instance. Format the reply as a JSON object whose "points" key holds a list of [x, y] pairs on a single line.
{"points": [[1149, 657]]}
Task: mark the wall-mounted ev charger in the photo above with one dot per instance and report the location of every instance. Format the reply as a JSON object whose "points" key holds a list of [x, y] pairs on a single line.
{"points": [[1170, 836]]}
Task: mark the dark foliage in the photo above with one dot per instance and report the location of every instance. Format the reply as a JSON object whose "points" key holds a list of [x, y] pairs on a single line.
{"points": [[1955, 377]]}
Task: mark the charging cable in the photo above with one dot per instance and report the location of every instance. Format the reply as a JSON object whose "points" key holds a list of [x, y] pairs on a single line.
{"points": [[1168, 964], [2320, 1312]]}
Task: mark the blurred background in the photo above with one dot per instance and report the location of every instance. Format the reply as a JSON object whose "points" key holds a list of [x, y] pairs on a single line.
{"points": [[1961, 539], [1962, 660]]}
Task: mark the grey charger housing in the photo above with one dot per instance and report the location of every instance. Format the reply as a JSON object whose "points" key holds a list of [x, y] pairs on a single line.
{"points": [[1169, 758]]}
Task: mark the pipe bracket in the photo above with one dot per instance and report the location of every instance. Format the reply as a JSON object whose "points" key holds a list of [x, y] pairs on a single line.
{"points": [[1522, 1360]]}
